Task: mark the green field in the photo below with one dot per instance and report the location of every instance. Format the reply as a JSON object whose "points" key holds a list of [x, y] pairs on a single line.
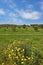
{"points": [[27, 35]]}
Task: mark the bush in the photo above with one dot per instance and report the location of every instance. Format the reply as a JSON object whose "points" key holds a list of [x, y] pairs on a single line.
{"points": [[35, 28]]}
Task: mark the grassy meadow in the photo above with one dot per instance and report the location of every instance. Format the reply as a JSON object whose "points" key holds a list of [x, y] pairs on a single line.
{"points": [[21, 46]]}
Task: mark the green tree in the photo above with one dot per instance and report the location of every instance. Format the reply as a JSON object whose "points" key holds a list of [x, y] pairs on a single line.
{"points": [[35, 28], [24, 26]]}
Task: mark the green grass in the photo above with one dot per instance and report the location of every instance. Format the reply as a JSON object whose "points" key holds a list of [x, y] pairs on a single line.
{"points": [[23, 35]]}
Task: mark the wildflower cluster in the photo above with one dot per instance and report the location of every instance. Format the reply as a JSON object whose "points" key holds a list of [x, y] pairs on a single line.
{"points": [[19, 55]]}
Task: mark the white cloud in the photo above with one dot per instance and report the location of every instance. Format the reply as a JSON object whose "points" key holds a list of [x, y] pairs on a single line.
{"points": [[34, 15], [2, 12]]}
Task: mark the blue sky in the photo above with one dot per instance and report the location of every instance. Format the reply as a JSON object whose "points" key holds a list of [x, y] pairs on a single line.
{"points": [[21, 12]]}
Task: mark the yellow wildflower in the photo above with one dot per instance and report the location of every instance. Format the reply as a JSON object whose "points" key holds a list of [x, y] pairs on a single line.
{"points": [[28, 58], [22, 62], [23, 49], [12, 50], [22, 56], [9, 55], [8, 48], [16, 57], [22, 59], [14, 63], [18, 49], [13, 54], [3, 63], [25, 59]]}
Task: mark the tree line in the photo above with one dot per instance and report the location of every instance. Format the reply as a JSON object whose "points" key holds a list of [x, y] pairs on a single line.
{"points": [[13, 26]]}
